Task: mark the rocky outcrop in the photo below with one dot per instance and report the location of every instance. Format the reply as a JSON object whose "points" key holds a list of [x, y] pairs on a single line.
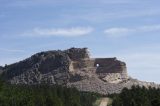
{"points": [[45, 67], [72, 68], [1, 69]]}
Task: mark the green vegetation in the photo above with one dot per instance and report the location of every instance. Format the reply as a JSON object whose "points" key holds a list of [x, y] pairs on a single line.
{"points": [[137, 96], [44, 95]]}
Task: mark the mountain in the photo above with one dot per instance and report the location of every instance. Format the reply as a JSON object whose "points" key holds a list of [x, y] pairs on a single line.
{"points": [[72, 68], [1, 69]]}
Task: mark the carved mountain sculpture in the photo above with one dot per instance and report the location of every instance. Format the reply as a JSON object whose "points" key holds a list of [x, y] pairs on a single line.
{"points": [[72, 68]]}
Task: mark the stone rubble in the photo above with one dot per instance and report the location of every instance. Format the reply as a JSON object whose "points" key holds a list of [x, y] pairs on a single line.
{"points": [[72, 68]]}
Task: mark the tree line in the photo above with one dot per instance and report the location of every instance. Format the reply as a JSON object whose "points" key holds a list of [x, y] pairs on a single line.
{"points": [[137, 96], [54, 95], [44, 95]]}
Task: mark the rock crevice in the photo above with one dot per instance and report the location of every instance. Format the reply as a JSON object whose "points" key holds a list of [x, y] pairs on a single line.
{"points": [[72, 68]]}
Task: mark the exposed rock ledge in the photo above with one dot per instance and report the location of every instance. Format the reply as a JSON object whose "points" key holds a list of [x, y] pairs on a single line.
{"points": [[1, 69], [72, 68]]}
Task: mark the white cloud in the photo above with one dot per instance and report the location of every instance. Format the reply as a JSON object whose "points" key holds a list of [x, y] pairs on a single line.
{"points": [[122, 31], [149, 28], [117, 32], [66, 32]]}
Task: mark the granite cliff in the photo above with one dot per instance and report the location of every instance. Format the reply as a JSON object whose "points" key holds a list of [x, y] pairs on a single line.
{"points": [[72, 68], [1, 69]]}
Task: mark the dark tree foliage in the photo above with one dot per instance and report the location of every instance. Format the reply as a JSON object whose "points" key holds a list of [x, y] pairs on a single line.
{"points": [[43, 95], [137, 96]]}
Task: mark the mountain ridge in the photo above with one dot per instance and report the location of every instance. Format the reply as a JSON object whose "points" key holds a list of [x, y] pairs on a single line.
{"points": [[72, 68]]}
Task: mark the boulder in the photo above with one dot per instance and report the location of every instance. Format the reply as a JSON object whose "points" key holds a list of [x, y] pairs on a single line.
{"points": [[72, 68]]}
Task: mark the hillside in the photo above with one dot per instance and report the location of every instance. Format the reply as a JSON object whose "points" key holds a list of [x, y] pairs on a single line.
{"points": [[72, 68], [1, 69], [44, 95], [137, 96], [48, 95]]}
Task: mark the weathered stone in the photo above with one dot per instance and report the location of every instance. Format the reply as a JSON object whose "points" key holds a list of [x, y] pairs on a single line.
{"points": [[72, 68], [77, 53], [1, 69]]}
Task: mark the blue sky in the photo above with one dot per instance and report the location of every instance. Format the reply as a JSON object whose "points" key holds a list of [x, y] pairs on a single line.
{"points": [[126, 29]]}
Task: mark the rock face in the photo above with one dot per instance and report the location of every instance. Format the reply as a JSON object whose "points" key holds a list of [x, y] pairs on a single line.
{"points": [[72, 68], [1, 69]]}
